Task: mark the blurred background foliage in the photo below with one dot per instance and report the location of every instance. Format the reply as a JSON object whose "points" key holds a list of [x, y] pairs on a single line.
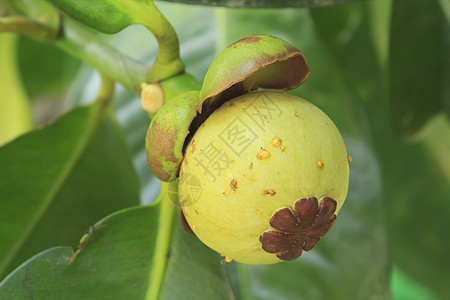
{"points": [[379, 69]]}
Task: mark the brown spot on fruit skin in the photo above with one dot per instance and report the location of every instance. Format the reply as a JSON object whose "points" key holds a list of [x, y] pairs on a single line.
{"points": [[268, 192], [193, 146], [251, 166], [226, 192], [300, 230], [271, 192], [160, 141], [233, 184]]}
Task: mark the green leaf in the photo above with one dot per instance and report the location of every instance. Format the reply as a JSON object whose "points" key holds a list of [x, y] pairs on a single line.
{"points": [[345, 31], [56, 181], [265, 3], [405, 288], [15, 115], [46, 71], [419, 64], [414, 183], [120, 258], [417, 193]]}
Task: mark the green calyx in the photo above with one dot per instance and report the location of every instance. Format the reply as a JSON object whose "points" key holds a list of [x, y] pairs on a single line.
{"points": [[167, 133], [257, 61]]}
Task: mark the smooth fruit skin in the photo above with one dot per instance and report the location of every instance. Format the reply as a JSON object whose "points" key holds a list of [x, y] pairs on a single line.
{"points": [[234, 176]]}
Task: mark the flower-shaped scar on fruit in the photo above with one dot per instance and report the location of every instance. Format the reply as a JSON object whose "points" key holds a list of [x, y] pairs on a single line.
{"points": [[262, 174]]}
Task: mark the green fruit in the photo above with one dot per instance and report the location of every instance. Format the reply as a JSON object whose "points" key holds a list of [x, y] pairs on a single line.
{"points": [[251, 174]]}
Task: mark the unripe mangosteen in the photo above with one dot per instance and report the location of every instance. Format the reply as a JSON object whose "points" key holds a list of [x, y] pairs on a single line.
{"points": [[263, 177]]}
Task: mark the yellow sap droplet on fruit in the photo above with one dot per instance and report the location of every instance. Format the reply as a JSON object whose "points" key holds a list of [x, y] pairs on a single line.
{"points": [[276, 142], [263, 154], [320, 164]]}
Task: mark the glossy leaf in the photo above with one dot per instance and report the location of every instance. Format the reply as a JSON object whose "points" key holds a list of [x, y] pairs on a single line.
{"points": [[419, 64], [345, 31], [265, 3], [404, 287], [418, 208], [409, 173], [58, 180], [46, 71], [117, 260]]}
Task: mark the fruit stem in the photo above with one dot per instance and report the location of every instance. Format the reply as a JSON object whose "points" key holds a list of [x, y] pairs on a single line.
{"points": [[29, 27], [164, 235], [168, 63]]}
